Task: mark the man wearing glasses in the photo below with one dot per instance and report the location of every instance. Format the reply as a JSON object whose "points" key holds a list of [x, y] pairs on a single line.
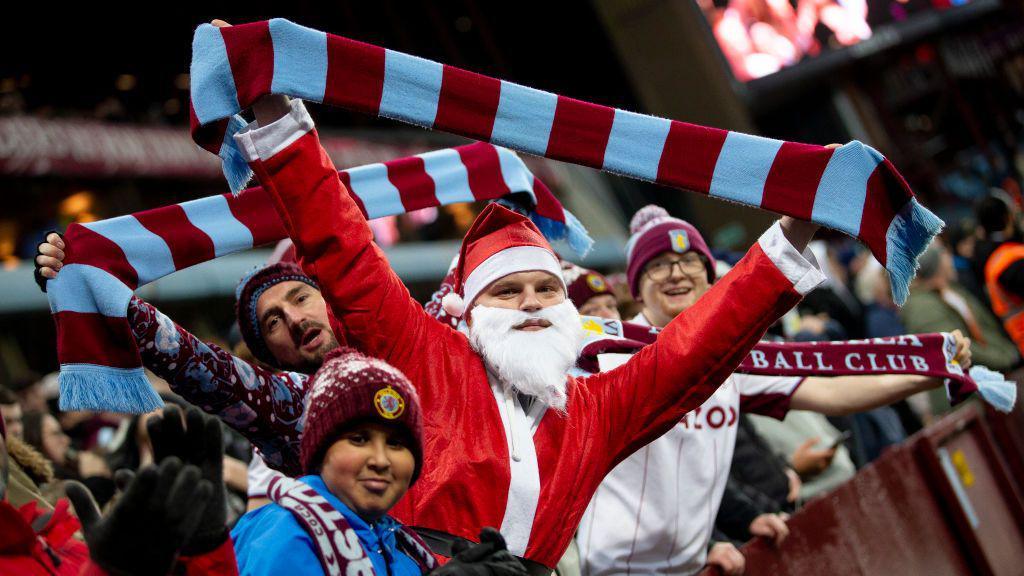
{"points": [[655, 512]]}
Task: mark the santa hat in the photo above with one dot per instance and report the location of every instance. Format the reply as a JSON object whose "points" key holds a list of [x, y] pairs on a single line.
{"points": [[350, 388], [654, 232], [500, 242], [582, 284], [248, 293]]}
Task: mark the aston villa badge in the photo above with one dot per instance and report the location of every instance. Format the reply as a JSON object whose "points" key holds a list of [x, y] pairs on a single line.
{"points": [[389, 403], [680, 241]]}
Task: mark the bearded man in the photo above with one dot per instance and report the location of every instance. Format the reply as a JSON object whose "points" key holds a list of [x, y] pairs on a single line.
{"points": [[509, 440]]}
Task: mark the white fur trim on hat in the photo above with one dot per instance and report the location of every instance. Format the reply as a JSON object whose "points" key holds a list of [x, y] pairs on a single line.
{"points": [[509, 261], [453, 304]]}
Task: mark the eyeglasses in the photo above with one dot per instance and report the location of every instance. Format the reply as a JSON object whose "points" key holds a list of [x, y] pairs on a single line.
{"points": [[690, 265]]}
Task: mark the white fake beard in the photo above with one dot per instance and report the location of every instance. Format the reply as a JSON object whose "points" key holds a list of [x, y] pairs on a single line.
{"points": [[534, 363]]}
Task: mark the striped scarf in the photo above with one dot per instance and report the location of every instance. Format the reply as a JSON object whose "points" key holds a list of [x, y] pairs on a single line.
{"points": [[853, 189], [930, 355], [100, 365]]}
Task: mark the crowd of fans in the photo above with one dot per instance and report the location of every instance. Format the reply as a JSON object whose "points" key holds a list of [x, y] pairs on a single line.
{"points": [[342, 437]]}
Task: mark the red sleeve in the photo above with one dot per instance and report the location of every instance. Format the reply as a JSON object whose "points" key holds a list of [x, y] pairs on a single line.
{"points": [[218, 562], [642, 399], [335, 244]]}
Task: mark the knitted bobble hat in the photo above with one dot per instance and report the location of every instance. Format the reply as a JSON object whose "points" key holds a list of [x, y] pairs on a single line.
{"points": [[654, 232], [582, 284], [351, 387], [248, 293]]}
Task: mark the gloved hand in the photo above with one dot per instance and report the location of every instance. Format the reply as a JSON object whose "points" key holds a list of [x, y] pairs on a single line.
{"points": [[49, 258], [489, 557], [200, 442], [143, 532]]}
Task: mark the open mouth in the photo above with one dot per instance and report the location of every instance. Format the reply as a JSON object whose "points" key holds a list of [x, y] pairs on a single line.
{"points": [[533, 325], [682, 291], [311, 338]]}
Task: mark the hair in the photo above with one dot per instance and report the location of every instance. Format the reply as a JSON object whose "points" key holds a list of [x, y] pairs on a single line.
{"points": [[7, 397], [993, 212], [32, 428]]}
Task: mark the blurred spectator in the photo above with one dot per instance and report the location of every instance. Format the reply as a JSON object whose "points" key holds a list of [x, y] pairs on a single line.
{"points": [[31, 394], [34, 539], [938, 303], [881, 315], [43, 432], [1001, 259], [806, 438], [834, 297], [11, 411], [590, 292], [962, 237]]}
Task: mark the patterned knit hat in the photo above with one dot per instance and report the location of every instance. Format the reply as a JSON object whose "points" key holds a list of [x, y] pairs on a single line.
{"points": [[248, 293], [582, 284], [351, 387], [655, 232]]}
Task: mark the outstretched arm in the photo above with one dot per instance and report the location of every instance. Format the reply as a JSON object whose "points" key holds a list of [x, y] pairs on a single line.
{"points": [[702, 346], [263, 406], [333, 240]]}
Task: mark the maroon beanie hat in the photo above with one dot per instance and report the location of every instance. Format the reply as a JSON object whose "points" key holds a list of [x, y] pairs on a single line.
{"points": [[654, 232], [352, 387], [248, 293], [582, 284]]}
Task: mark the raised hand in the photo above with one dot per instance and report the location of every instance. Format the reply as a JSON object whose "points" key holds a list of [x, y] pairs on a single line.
{"points": [[196, 439], [144, 531]]}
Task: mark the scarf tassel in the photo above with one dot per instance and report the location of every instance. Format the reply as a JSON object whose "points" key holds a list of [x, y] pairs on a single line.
{"points": [[995, 389], [571, 231], [910, 232], [102, 388], [236, 168]]}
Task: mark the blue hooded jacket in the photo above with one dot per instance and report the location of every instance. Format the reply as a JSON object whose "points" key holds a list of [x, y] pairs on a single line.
{"points": [[270, 541]]}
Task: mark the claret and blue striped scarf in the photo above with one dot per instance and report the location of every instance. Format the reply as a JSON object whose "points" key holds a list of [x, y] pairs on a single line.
{"points": [[100, 365], [853, 188]]}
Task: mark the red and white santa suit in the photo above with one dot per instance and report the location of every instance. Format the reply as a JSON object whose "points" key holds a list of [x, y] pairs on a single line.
{"points": [[655, 512], [487, 462]]}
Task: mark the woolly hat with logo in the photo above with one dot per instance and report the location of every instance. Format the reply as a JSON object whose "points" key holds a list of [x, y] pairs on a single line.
{"points": [[351, 387], [654, 232]]}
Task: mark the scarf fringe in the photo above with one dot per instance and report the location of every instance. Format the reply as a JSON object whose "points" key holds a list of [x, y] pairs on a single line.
{"points": [[236, 168], [571, 231], [994, 388], [910, 233], [101, 388]]}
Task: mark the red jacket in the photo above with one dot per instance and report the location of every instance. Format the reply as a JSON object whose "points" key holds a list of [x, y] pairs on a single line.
{"points": [[470, 428], [46, 549]]}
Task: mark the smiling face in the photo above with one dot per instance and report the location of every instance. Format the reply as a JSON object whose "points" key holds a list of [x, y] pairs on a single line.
{"points": [[524, 291], [369, 468], [671, 283], [293, 322]]}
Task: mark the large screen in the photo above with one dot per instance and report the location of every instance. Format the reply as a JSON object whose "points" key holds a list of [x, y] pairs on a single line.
{"points": [[761, 37]]}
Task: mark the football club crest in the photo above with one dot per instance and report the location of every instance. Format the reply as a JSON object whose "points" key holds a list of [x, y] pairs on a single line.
{"points": [[389, 403], [680, 241], [596, 283]]}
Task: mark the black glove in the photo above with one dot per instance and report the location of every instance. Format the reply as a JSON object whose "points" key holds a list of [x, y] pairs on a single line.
{"points": [[40, 279], [200, 442], [489, 557], [152, 519]]}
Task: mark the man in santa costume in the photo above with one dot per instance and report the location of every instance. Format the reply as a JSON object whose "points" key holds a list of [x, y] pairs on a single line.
{"points": [[509, 440], [655, 512]]}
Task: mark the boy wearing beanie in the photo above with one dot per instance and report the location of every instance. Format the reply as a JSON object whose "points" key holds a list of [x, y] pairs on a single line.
{"points": [[361, 451]]}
